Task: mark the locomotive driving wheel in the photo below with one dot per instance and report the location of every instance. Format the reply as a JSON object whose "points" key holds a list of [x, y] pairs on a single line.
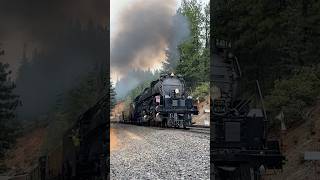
{"points": [[170, 122], [163, 123]]}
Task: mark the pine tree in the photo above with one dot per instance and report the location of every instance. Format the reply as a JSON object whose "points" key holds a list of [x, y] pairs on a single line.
{"points": [[112, 95], [194, 55], [8, 104]]}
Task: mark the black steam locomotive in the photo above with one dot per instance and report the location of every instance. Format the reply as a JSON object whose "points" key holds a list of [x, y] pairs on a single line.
{"points": [[240, 148], [164, 103]]}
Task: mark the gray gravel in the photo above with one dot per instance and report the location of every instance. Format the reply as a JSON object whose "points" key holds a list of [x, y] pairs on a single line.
{"points": [[154, 153]]}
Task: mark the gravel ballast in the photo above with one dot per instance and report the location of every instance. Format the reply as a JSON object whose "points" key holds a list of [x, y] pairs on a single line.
{"points": [[154, 153]]}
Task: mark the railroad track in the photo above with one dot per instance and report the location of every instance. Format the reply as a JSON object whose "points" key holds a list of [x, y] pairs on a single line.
{"points": [[193, 128], [199, 129]]}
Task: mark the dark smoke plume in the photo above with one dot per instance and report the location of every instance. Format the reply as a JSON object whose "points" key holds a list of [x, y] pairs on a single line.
{"points": [[145, 30]]}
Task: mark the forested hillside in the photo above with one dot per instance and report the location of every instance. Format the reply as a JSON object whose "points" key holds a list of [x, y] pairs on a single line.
{"points": [[277, 43], [56, 84]]}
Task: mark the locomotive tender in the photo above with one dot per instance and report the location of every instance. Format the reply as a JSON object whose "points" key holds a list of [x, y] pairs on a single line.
{"points": [[164, 103]]}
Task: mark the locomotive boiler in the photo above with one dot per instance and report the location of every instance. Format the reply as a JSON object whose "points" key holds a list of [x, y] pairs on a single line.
{"points": [[164, 103]]}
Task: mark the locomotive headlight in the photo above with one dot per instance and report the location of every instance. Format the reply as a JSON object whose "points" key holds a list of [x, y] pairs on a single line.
{"points": [[189, 97], [176, 91]]}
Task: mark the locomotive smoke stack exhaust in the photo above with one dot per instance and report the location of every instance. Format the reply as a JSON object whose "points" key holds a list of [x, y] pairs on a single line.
{"points": [[146, 31]]}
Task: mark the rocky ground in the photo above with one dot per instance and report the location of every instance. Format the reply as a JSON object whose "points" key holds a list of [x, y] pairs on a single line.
{"points": [[203, 118], [153, 153]]}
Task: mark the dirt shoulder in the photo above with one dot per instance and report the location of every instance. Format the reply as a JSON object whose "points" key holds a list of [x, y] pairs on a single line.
{"points": [[26, 151], [298, 140]]}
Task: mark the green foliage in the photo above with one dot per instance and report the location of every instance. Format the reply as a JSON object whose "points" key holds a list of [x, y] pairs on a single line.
{"points": [[112, 95], [194, 53], [270, 39], [201, 91], [8, 104], [294, 94]]}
